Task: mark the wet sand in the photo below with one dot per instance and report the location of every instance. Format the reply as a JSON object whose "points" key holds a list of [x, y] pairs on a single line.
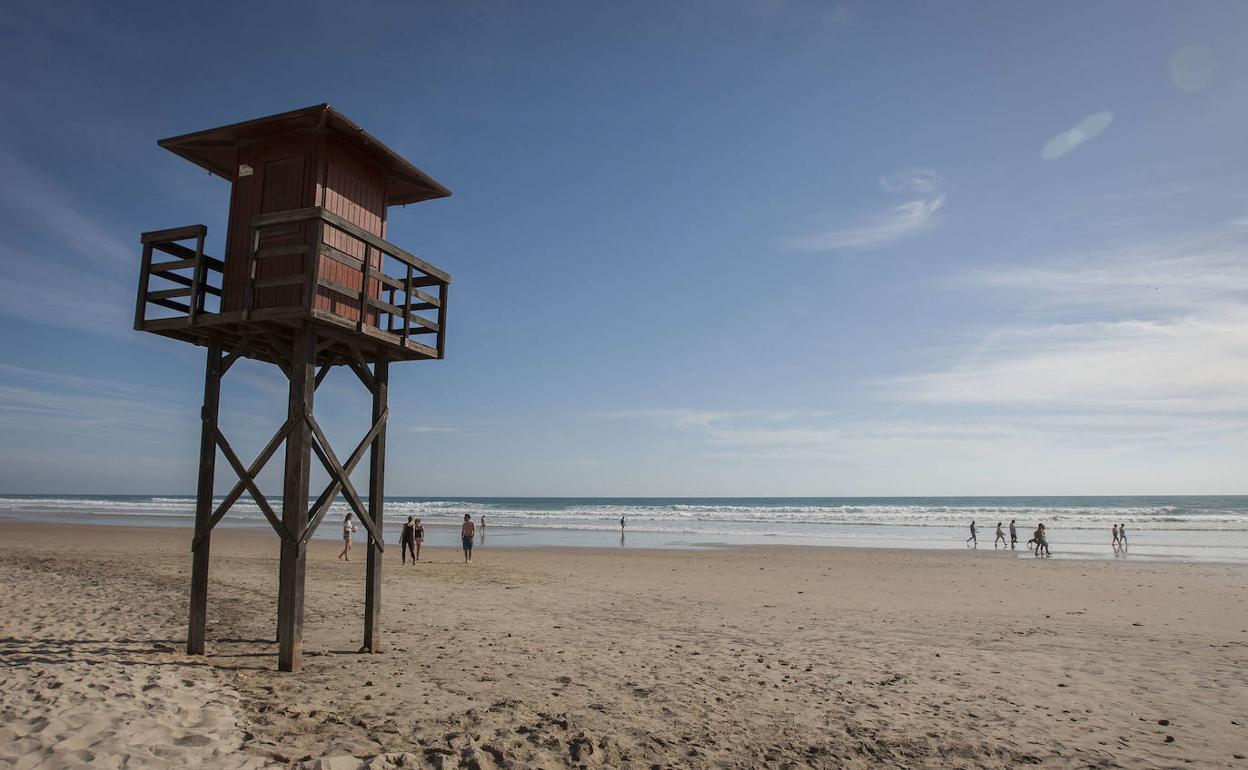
{"points": [[553, 658]]}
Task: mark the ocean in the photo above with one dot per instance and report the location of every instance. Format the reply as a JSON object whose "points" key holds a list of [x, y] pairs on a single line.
{"points": [[1192, 528]]}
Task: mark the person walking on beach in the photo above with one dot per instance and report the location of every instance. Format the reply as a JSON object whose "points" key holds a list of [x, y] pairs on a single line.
{"points": [[1114, 531], [973, 538], [467, 534], [621, 524], [418, 538], [1013, 534], [999, 538], [1122, 536], [1042, 541], [408, 538], [348, 527]]}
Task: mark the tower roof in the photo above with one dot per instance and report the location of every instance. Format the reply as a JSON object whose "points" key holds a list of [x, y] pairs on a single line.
{"points": [[216, 149]]}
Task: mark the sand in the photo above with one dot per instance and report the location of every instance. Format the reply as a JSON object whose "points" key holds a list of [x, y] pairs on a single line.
{"points": [[553, 658]]}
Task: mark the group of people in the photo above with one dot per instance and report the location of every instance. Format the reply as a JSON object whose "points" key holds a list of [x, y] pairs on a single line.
{"points": [[1039, 542], [413, 537]]}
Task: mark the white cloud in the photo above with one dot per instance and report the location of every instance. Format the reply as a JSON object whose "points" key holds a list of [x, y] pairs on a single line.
{"points": [[926, 190], [1161, 329]]}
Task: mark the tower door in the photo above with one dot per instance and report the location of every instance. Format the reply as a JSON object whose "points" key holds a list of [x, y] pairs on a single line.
{"points": [[282, 187]]}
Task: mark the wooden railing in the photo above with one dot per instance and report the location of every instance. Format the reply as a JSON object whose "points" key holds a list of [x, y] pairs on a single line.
{"points": [[391, 296], [188, 296]]}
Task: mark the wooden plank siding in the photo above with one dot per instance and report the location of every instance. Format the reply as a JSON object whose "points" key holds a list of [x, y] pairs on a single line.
{"points": [[354, 189]]}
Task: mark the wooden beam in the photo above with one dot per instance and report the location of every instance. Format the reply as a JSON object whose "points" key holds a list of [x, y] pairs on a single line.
{"points": [[376, 508], [253, 471], [261, 501], [240, 350], [184, 291], [280, 280], [295, 501], [168, 303], [360, 366], [140, 303], [182, 252], [332, 489], [197, 623], [325, 452], [321, 374], [286, 217], [444, 296], [383, 245], [176, 264], [182, 280], [174, 234]]}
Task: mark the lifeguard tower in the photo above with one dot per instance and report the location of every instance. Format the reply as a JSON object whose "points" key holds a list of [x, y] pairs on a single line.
{"points": [[308, 282]]}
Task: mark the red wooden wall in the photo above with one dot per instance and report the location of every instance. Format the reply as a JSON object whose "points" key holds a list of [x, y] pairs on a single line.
{"points": [[290, 172]]}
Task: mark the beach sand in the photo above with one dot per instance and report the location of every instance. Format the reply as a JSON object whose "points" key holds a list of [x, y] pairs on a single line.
{"points": [[606, 658]]}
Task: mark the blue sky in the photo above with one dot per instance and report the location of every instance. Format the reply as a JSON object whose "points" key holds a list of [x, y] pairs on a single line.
{"points": [[706, 248]]}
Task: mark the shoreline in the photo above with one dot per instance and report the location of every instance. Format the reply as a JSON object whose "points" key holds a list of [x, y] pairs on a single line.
{"points": [[554, 537], [608, 658]]}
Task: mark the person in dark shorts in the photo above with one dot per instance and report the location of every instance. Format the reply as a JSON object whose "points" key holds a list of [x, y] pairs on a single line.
{"points": [[468, 533], [973, 538], [418, 537], [1013, 535], [408, 538]]}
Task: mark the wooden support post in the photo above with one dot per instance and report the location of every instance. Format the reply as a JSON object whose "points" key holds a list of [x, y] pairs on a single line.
{"points": [[196, 300], [295, 503], [203, 500], [376, 509], [140, 304]]}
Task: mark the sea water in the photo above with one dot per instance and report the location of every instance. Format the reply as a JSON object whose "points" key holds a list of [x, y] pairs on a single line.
{"points": [[1195, 528]]}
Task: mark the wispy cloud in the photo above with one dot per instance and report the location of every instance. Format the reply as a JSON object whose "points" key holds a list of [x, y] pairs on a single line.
{"points": [[1159, 329], [925, 190], [50, 401], [47, 205]]}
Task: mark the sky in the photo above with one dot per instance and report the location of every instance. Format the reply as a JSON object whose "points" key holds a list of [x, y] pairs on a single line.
{"points": [[763, 248]]}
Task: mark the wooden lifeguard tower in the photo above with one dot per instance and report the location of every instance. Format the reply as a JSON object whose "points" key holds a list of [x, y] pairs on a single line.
{"points": [[308, 282]]}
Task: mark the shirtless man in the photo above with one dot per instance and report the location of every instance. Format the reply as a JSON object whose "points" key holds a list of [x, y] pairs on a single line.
{"points": [[1000, 538], [1013, 534], [468, 533]]}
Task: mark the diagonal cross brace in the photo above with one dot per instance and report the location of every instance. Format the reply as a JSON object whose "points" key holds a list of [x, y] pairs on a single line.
{"points": [[326, 454], [236, 492], [250, 483], [321, 507]]}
